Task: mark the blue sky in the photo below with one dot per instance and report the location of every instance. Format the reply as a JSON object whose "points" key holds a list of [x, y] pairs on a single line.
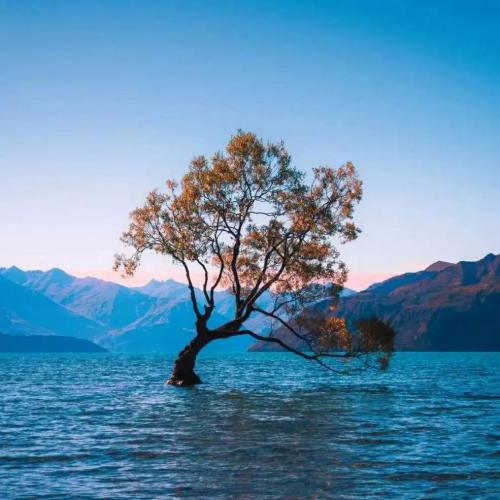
{"points": [[102, 101]]}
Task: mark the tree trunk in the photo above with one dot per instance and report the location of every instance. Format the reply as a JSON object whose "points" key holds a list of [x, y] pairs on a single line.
{"points": [[183, 374]]}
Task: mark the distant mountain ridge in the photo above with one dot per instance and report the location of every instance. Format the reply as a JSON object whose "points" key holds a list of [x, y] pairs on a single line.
{"points": [[446, 307], [106, 303], [157, 316], [24, 311], [424, 307], [438, 266], [46, 343]]}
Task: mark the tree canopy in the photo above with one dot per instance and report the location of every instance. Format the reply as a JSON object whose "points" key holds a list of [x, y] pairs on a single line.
{"points": [[252, 223]]}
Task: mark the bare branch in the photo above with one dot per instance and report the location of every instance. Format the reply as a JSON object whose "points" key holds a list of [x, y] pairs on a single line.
{"points": [[310, 357]]}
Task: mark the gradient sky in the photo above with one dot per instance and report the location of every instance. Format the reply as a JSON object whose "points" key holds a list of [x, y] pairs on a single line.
{"points": [[102, 101]]}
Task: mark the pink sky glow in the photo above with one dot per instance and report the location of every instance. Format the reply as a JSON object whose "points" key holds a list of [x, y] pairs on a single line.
{"points": [[357, 280]]}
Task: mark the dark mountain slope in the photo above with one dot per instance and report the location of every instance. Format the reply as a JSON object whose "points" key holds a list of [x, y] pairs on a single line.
{"points": [[438, 266], [46, 343], [444, 308]]}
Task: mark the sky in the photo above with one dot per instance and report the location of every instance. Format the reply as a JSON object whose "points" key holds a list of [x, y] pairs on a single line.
{"points": [[102, 101]]}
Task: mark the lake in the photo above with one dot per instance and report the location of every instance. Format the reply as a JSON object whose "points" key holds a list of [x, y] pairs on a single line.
{"points": [[262, 426]]}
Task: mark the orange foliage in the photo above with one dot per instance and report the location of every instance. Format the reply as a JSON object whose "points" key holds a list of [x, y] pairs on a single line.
{"points": [[254, 223]]}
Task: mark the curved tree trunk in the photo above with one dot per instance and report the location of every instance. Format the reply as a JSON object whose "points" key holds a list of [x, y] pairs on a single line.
{"points": [[183, 374]]}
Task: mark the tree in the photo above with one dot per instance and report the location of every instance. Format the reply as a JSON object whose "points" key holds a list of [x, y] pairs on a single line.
{"points": [[252, 223]]}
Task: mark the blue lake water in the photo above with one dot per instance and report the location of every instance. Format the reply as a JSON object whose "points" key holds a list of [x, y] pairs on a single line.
{"points": [[262, 426]]}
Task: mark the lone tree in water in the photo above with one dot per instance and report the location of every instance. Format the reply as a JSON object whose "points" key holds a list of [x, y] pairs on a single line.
{"points": [[252, 223]]}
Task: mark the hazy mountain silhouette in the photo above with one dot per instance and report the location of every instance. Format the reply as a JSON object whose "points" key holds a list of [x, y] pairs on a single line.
{"points": [[164, 289], [46, 343], [24, 311], [109, 304], [157, 316]]}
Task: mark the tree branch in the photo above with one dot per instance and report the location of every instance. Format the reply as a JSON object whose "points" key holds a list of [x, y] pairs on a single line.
{"points": [[310, 357], [285, 324], [192, 293]]}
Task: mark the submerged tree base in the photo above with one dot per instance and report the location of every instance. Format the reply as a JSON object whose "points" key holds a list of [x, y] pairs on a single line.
{"points": [[184, 380], [183, 374]]}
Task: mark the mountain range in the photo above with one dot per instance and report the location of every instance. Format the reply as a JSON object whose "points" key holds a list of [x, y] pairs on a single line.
{"points": [[154, 317], [445, 307]]}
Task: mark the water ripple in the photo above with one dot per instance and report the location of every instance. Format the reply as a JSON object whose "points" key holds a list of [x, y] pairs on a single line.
{"points": [[265, 426]]}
